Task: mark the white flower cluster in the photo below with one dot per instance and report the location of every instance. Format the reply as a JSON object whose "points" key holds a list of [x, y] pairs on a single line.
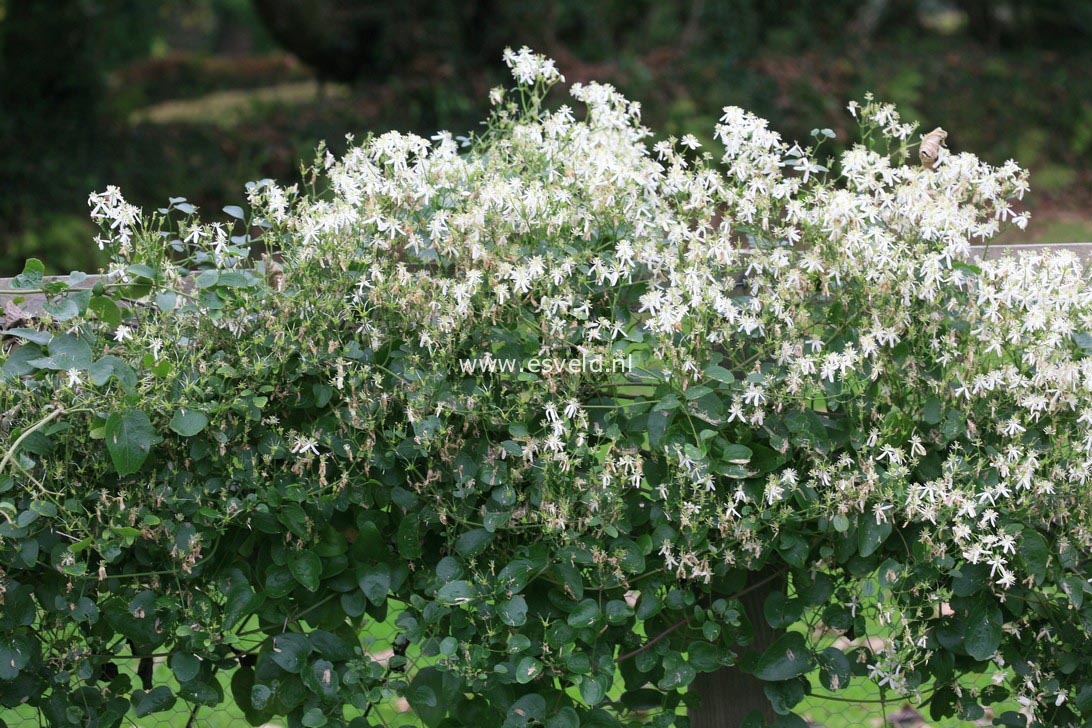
{"points": [[687, 235], [119, 218], [901, 382], [530, 68]]}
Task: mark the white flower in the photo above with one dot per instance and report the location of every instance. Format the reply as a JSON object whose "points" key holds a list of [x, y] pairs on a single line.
{"points": [[690, 142], [529, 67], [305, 445]]}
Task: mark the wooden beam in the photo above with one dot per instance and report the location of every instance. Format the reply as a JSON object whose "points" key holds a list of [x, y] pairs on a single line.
{"points": [[32, 302]]}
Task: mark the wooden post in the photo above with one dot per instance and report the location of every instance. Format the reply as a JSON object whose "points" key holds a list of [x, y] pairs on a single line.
{"points": [[729, 694]]}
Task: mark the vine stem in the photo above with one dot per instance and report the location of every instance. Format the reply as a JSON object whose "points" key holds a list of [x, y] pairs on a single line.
{"points": [[685, 620], [27, 432], [653, 641]]}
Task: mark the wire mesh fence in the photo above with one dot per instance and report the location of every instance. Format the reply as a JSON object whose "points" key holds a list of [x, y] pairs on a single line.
{"points": [[392, 711], [860, 705], [392, 664]]}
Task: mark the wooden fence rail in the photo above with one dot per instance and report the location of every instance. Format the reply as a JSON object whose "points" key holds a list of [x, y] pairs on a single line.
{"points": [[32, 303]]}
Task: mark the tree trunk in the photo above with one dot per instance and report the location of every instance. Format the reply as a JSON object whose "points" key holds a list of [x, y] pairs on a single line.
{"points": [[729, 695]]}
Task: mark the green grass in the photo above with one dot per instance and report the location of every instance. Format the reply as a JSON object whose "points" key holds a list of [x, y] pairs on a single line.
{"points": [[857, 705]]}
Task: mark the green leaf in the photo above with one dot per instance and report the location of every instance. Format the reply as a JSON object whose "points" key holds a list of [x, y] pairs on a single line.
{"points": [[515, 575], [31, 277], [572, 581], [105, 309], [834, 669], [85, 611], [814, 589], [983, 636], [667, 403], [38, 337], [783, 696], [111, 366], [529, 709], [591, 690], [290, 650], [807, 429], [166, 301], [322, 679], [1083, 699], [68, 307], [188, 422], [20, 362], [1035, 553], [234, 279], [428, 695], [456, 592], [306, 567], [240, 601], [15, 654], [66, 352], [154, 701], [630, 557], [567, 717], [720, 374], [260, 695], [409, 537], [19, 607], [970, 579], [710, 408], [737, 454], [1073, 586], [656, 426], [129, 439], [643, 699], [513, 612], [143, 271], [473, 542], [678, 673], [697, 392], [786, 658], [931, 412], [331, 646], [704, 656], [314, 718], [871, 535], [780, 611], [207, 279], [201, 692], [527, 670], [184, 666], [617, 611], [375, 582], [585, 615]]}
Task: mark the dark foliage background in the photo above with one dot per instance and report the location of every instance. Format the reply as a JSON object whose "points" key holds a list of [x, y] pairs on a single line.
{"points": [[195, 97]]}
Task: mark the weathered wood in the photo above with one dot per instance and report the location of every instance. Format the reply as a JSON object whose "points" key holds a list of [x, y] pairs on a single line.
{"points": [[729, 695], [32, 302], [1084, 250]]}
